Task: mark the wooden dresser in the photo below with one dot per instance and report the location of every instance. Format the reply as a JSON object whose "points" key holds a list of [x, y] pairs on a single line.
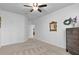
{"points": [[72, 40]]}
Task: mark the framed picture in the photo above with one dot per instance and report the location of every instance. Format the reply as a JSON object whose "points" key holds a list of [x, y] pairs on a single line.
{"points": [[53, 26]]}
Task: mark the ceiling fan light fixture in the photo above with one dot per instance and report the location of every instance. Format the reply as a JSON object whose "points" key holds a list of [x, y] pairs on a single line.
{"points": [[35, 8]]}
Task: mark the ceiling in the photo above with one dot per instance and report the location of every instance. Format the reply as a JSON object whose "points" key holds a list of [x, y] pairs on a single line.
{"points": [[19, 8]]}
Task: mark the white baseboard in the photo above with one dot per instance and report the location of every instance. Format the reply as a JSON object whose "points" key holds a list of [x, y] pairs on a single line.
{"points": [[12, 43], [50, 42]]}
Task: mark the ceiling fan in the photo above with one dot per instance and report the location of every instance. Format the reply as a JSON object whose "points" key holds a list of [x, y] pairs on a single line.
{"points": [[36, 7]]}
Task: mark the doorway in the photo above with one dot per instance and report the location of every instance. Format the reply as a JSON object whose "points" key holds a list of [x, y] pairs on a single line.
{"points": [[32, 32]]}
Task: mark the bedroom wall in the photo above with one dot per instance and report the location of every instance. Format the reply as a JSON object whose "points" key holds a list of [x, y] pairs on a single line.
{"points": [[13, 28], [56, 38]]}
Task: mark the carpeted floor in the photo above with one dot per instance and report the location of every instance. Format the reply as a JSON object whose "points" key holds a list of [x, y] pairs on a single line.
{"points": [[32, 47]]}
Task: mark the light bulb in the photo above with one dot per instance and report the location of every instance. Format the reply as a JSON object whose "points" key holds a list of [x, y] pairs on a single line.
{"points": [[35, 8]]}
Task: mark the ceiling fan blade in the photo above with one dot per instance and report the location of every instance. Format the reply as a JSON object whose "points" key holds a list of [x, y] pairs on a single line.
{"points": [[27, 6], [39, 10], [31, 10], [36, 4], [42, 5]]}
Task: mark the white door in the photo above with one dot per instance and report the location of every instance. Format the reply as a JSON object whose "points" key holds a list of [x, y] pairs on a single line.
{"points": [[31, 31]]}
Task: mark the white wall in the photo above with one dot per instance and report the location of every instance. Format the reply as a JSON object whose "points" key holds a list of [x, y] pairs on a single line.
{"points": [[13, 29], [56, 38], [26, 28]]}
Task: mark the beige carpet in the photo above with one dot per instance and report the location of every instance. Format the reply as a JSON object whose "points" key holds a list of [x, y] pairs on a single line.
{"points": [[32, 47]]}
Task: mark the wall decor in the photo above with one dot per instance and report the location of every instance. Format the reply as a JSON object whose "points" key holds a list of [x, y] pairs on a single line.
{"points": [[74, 21], [69, 21], [53, 26]]}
